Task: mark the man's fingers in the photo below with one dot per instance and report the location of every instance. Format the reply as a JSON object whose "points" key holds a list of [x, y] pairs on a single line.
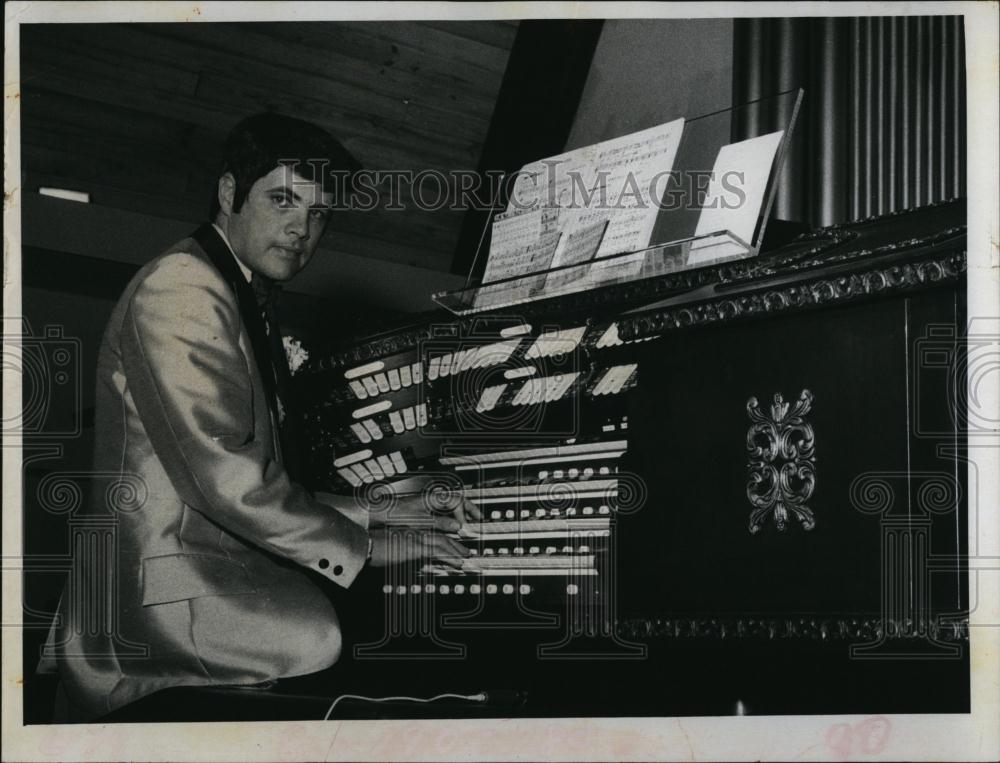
{"points": [[470, 510], [448, 524]]}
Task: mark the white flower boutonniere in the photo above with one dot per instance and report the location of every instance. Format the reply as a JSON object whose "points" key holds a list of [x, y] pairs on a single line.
{"points": [[297, 354]]}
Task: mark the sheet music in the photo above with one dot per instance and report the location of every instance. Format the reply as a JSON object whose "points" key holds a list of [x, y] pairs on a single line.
{"points": [[577, 247], [608, 187], [745, 166]]}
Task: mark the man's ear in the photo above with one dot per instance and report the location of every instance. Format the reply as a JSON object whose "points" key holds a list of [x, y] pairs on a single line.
{"points": [[227, 192]]}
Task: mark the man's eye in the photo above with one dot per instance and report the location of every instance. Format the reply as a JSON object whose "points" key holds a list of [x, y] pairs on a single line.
{"points": [[319, 214], [283, 202]]}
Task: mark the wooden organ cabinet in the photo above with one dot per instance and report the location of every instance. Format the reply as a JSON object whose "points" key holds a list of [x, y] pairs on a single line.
{"points": [[739, 488]]}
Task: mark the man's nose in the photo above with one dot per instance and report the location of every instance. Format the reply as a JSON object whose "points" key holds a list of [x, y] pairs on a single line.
{"points": [[298, 222]]}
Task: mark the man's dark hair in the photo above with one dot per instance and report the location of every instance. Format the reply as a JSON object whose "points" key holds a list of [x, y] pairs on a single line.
{"points": [[262, 142]]}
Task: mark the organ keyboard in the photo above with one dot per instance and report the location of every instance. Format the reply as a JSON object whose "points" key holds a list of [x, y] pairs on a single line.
{"points": [[610, 440]]}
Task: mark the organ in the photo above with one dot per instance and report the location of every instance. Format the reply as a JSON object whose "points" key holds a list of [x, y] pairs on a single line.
{"points": [[752, 470]]}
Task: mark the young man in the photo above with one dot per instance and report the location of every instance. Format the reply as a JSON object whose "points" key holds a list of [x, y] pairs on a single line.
{"points": [[206, 583]]}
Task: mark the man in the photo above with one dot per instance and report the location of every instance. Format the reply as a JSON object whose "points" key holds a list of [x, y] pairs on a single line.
{"points": [[209, 573]]}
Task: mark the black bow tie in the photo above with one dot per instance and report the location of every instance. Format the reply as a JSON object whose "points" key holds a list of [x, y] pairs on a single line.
{"points": [[264, 289]]}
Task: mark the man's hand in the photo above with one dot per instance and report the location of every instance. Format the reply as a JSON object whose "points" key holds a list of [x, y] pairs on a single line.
{"points": [[394, 545], [445, 510]]}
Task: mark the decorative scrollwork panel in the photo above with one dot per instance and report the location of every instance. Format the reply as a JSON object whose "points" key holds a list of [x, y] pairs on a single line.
{"points": [[781, 462]]}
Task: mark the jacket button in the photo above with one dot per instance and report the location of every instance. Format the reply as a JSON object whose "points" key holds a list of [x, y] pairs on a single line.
{"points": [[323, 564], [337, 570]]}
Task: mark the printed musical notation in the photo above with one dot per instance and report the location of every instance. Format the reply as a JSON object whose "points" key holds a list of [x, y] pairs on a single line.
{"points": [[593, 202]]}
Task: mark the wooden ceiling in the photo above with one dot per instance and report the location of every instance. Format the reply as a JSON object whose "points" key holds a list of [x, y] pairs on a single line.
{"points": [[136, 114]]}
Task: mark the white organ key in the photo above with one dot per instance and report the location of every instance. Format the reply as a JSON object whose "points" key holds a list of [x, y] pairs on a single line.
{"points": [[358, 389], [459, 588], [468, 358], [518, 330], [518, 551], [608, 382], [409, 420], [495, 354], [618, 379], [370, 410], [541, 562], [491, 588], [602, 383], [503, 551], [573, 473], [352, 458], [495, 515], [556, 343], [361, 433], [382, 381], [373, 429], [567, 383], [627, 372], [386, 464], [370, 386], [350, 476], [397, 422], [372, 466], [551, 385], [604, 510], [445, 368], [397, 461], [524, 590], [394, 381], [417, 371], [537, 390], [444, 588], [367, 368], [422, 415], [474, 589], [610, 337], [489, 398], [362, 472], [405, 377], [435, 367], [498, 391], [508, 588], [557, 474], [521, 395]]}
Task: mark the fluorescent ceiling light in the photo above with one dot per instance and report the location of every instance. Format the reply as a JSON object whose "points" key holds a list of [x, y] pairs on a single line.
{"points": [[63, 193]]}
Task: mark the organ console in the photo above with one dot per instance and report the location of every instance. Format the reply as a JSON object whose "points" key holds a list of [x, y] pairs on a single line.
{"points": [[743, 482]]}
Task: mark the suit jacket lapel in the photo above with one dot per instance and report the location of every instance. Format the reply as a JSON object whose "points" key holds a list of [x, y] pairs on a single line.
{"points": [[218, 252]]}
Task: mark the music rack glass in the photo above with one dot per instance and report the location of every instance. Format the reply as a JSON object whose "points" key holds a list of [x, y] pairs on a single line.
{"points": [[680, 239]]}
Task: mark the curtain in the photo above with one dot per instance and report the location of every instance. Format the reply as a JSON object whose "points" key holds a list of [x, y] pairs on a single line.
{"points": [[882, 123]]}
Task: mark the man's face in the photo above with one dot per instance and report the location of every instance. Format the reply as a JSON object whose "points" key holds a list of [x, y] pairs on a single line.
{"points": [[279, 225]]}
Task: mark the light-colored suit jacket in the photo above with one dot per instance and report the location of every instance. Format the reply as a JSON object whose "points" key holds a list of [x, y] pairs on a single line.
{"points": [[205, 578]]}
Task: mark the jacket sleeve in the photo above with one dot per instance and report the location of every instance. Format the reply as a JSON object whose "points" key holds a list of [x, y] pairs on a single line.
{"points": [[193, 391]]}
